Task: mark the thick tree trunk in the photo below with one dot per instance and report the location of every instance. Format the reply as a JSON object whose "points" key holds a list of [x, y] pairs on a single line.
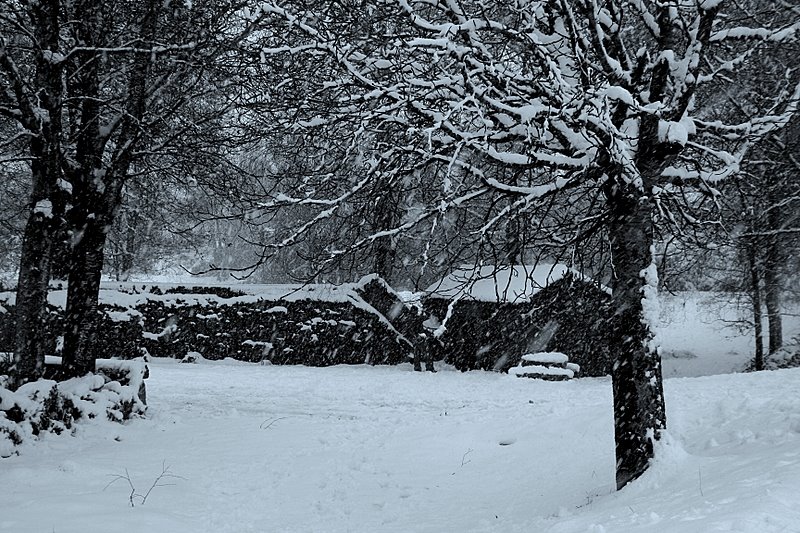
{"points": [[639, 414], [87, 215], [39, 240], [31, 303], [82, 297], [47, 200]]}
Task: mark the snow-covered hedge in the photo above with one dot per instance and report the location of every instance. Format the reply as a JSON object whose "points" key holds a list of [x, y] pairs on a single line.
{"points": [[114, 393]]}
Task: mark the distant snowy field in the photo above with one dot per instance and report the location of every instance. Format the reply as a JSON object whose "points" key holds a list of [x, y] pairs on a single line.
{"points": [[268, 449], [705, 333]]}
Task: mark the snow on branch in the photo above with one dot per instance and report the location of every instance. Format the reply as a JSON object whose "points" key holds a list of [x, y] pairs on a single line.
{"points": [[773, 35]]}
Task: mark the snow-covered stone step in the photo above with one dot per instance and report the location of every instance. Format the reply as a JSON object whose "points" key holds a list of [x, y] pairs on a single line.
{"points": [[538, 370], [553, 366], [546, 357]]}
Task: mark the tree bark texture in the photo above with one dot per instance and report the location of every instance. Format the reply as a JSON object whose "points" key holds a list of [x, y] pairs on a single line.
{"points": [[773, 264], [31, 302], [639, 415], [87, 218], [384, 248], [82, 298], [755, 300]]}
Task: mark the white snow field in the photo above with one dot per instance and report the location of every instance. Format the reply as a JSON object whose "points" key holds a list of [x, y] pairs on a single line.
{"points": [[373, 449]]}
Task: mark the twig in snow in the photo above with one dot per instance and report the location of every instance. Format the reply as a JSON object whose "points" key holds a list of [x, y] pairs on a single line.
{"points": [[126, 477], [157, 482], [464, 457], [271, 421], [700, 482]]}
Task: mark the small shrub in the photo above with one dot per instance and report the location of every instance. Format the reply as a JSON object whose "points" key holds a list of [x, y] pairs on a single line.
{"points": [[46, 406]]}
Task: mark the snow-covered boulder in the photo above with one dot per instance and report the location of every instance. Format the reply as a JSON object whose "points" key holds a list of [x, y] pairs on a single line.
{"points": [[192, 357]]}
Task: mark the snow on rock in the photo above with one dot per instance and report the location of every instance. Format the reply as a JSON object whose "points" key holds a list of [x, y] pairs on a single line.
{"points": [[545, 365], [123, 316], [375, 278], [64, 185], [545, 357], [540, 370], [132, 294], [265, 344], [44, 208], [192, 357]]}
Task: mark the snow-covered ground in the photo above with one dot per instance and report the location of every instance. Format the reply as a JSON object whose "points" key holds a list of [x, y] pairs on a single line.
{"points": [[267, 448]]}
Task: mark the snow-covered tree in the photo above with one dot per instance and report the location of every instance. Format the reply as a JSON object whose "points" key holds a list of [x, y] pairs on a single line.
{"points": [[601, 100], [100, 93]]}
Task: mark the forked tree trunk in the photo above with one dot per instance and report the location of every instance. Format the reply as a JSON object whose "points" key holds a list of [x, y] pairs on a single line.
{"points": [[87, 214], [639, 415], [95, 206]]}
